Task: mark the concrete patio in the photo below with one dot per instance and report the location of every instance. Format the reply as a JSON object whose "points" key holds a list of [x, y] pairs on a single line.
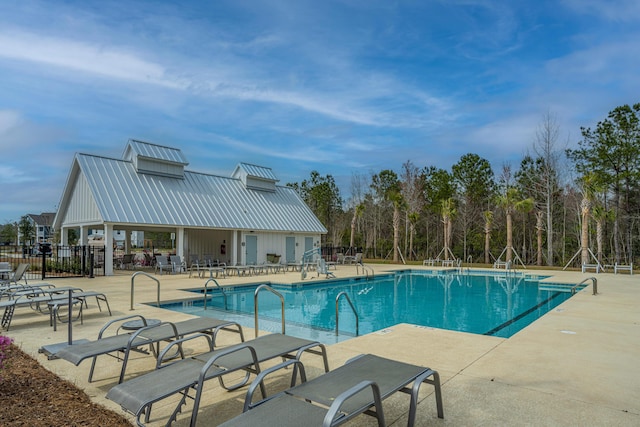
{"points": [[577, 365]]}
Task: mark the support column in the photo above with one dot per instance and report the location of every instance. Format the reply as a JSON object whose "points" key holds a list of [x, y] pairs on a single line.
{"points": [[180, 242], [108, 249], [127, 241], [234, 248], [83, 236]]}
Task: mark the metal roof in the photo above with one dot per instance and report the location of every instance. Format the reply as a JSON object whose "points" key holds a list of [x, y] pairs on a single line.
{"points": [[199, 200], [258, 171], [155, 151]]}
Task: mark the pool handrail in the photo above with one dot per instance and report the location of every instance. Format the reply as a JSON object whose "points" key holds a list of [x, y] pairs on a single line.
{"points": [[343, 293], [255, 305], [594, 282], [224, 295], [133, 277]]}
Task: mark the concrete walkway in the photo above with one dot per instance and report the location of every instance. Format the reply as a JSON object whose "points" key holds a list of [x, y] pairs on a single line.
{"points": [[577, 365]]}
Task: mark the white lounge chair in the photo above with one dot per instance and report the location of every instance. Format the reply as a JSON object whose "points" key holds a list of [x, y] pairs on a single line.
{"points": [[323, 268]]}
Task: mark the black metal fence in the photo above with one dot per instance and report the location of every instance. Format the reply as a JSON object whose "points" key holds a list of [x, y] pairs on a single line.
{"points": [[55, 260]]}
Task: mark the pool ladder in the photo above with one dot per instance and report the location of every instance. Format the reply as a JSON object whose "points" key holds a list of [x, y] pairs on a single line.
{"points": [[341, 294], [365, 270], [224, 295], [133, 279], [255, 305]]}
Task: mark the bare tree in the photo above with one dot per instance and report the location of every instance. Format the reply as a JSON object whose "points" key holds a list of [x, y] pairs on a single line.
{"points": [[356, 203], [545, 148], [412, 188]]}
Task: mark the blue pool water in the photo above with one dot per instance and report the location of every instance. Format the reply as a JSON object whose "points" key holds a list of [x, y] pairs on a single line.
{"points": [[491, 304]]}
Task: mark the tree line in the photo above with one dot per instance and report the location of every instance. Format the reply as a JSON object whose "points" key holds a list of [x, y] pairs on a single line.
{"points": [[558, 206]]}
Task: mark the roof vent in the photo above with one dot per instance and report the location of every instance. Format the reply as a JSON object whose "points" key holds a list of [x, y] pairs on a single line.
{"points": [[155, 159], [255, 177]]}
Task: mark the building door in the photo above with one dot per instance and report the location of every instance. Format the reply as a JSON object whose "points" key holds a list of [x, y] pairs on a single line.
{"points": [[308, 243], [251, 250], [290, 255]]}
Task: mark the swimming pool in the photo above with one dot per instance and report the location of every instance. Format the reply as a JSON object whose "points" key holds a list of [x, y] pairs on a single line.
{"points": [[495, 304]]}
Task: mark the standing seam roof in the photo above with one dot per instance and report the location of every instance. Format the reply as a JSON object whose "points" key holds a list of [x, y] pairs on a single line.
{"points": [[198, 200]]}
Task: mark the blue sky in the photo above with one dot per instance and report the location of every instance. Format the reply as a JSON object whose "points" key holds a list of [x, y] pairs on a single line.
{"points": [[341, 87]]}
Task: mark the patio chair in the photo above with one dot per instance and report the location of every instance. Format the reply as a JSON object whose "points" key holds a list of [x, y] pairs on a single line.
{"points": [[5, 269], [357, 259], [148, 260], [18, 274], [162, 264], [208, 260], [340, 395], [128, 261], [139, 394], [323, 268], [193, 259], [143, 333], [177, 264]]}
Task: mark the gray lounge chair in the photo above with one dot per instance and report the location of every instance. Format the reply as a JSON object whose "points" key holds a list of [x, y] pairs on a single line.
{"points": [[55, 304], [148, 334], [342, 391], [138, 394], [33, 298], [18, 275]]}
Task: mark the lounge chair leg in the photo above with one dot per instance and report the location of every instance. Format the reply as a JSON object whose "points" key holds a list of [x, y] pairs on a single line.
{"points": [[178, 410], [93, 366], [435, 382], [7, 316]]}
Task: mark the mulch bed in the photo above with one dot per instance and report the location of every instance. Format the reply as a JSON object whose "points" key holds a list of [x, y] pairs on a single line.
{"points": [[31, 395]]}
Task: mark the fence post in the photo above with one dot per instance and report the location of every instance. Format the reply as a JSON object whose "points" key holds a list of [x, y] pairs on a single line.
{"points": [[91, 265], [44, 264]]}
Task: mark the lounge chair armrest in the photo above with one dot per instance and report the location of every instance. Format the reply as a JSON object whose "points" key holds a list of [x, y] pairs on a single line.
{"points": [[120, 321], [142, 331], [259, 380], [163, 353], [223, 353], [334, 410]]}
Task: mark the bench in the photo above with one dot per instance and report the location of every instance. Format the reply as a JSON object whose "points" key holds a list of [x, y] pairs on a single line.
{"points": [[501, 264], [595, 267], [623, 267]]}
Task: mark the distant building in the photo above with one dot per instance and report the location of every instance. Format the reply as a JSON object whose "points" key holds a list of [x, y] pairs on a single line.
{"points": [[237, 219], [43, 225]]}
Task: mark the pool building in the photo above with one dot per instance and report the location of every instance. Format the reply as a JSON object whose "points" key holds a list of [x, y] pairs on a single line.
{"points": [[237, 219]]}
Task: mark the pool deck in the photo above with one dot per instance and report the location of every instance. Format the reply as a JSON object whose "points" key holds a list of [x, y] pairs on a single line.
{"points": [[577, 365]]}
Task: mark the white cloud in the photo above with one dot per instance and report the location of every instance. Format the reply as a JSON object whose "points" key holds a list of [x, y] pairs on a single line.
{"points": [[83, 57], [8, 121], [611, 10]]}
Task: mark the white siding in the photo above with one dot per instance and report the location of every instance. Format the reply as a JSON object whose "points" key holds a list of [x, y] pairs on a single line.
{"points": [[82, 208]]}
